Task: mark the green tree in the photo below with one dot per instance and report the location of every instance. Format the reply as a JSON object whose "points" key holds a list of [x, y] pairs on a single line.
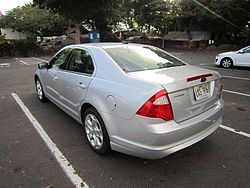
{"points": [[148, 12], [165, 14], [150, 15], [225, 17], [97, 13], [34, 21], [127, 13], [2, 37]]}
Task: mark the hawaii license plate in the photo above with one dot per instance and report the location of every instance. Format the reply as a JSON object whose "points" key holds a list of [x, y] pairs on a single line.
{"points": [[201, 91]]}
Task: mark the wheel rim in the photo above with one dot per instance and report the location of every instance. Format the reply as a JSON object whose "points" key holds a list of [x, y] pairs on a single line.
{"points": [[93, 131], [226, 63], [39, 90]]}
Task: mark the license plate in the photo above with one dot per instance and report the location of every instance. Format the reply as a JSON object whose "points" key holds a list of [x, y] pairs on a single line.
{"points": [[201, 91]]}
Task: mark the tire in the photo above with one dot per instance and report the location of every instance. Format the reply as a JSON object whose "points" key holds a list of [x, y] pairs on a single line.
{"points": [[39, 91], [95, 132], [226, 62]]}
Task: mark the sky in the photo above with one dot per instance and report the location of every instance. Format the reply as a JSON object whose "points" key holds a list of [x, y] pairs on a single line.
{"points": [[6, 5]]}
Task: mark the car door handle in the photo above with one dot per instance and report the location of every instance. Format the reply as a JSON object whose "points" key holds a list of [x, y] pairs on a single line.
{"points": [[55, 78], [81, 85]]}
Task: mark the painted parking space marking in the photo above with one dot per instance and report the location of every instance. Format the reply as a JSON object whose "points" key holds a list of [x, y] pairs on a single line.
{"points": [[210, 67], [3, 65], [237, 78], [237, 93], [235, 131], [23, 62], [61, 159], [226, 76], [38, 59], [29, 60], [220, 68]]}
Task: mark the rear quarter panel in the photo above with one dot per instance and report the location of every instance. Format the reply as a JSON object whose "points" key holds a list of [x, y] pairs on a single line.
{"points": [[127, 95]]}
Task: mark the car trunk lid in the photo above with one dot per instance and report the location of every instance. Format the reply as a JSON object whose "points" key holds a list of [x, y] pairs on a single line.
{"points": [[191, 90]]}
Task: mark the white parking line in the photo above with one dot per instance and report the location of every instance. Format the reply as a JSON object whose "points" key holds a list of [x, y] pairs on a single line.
{"points": [[237, 78], [238, 93], [33, 62], [38, 59], [210, 67], [2, 65], [235, 131], [61, 159], [23, 62]]}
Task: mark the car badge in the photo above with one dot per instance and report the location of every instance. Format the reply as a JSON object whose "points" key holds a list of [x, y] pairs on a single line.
{"points": [[203, 79]]}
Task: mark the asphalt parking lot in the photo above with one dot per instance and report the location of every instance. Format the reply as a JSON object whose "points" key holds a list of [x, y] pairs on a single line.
{"points": [[41, 146]]}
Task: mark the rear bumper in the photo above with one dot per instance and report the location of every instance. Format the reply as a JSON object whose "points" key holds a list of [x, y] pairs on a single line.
{"points": [[154, 141]]}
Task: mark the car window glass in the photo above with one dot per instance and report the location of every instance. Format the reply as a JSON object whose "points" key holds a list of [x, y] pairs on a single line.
{"points": [[59, 61], [81, 62], [247, 50], [140, 58]]}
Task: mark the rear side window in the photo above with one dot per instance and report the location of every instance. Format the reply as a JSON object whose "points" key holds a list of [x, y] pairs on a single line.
{"points": [[140, 58], [81, 62]]}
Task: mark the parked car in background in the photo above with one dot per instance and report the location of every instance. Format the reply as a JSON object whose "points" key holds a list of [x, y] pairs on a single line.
{"points": [[234, 58], [135, 99], [57, 42]]}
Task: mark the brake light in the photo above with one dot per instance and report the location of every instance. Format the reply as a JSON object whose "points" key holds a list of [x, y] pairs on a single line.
{"points": [[158, 106], [198, 77], [220, 91]]}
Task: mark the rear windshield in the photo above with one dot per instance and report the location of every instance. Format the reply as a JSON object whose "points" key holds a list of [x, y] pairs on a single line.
{"points": [[140, 58]]}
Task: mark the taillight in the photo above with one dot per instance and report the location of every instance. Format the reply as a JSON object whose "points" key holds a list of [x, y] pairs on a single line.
{"points": [[218, 84], [198, 77], [158, 106], [220, 91]]}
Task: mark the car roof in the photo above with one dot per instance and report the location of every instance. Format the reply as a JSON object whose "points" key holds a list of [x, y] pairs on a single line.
{"points": [[103, 44]]}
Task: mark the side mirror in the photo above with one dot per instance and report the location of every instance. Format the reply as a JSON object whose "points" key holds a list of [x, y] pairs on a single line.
{"points": [[43, 65]]}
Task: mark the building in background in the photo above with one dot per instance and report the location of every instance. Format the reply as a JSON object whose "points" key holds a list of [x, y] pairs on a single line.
{"points": [[11, 34], [184, 39]]}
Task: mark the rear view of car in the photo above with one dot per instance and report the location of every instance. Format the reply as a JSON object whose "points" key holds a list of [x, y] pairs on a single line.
{"points": [[187, 109], [137, 99]]}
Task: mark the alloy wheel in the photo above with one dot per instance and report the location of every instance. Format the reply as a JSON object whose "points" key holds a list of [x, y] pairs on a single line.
{"points": [[226, 63], [39, 90], [94, 131]]}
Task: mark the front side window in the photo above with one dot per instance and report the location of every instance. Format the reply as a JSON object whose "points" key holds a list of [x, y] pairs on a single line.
{"points": [[247, 50], [60, 60], [140, 58], [81, 62]]}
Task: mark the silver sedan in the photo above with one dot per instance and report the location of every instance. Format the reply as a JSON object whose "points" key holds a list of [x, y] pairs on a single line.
{"points": [[135, 99]]}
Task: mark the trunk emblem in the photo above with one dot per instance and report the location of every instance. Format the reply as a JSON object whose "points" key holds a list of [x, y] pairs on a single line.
{"points": [[203, 79], [179, 95]]}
